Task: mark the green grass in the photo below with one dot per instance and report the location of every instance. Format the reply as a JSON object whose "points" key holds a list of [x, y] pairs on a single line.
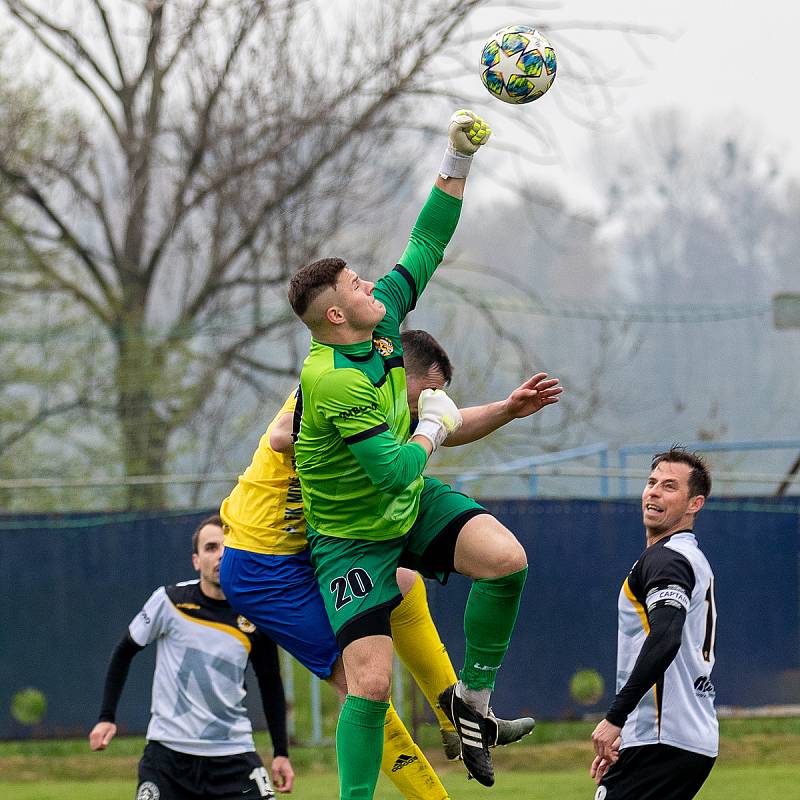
{"points": [[725, 783], [759, 758]]}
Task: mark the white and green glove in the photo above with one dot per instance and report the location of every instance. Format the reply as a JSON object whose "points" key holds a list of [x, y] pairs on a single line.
{"points": [[438, 416], [466, 133]]}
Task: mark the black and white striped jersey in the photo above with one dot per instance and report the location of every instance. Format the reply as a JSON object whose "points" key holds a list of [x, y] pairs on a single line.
{"points": [[678, 709]]}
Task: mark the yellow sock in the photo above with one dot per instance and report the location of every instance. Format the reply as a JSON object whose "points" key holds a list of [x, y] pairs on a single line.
{"points": [[405, 764], [419, 647]]}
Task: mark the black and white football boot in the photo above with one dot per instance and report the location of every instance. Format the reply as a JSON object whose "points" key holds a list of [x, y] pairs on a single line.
{"points": [[508, 732], [475, 732]]}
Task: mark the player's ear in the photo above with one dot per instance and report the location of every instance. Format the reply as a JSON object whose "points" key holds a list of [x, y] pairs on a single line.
{"points": [[335, 315], [696, 503], [196, 562]]}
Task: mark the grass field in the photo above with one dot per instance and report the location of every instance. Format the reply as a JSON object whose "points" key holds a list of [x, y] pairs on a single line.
{"points": [[758, 759]]}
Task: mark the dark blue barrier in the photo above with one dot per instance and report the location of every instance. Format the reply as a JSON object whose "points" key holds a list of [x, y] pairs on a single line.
{"points": [[579, 553], [72, 583]]}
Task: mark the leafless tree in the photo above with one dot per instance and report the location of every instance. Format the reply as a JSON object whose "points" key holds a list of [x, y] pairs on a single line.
{"points": [[204, 149]]}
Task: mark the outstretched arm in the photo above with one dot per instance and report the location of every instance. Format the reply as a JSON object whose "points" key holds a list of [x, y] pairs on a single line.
{"points": [[479, 421], [435, 225]]}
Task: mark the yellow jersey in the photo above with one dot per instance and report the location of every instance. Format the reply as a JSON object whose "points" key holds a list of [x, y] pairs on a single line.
{"points": [[264, 512]]}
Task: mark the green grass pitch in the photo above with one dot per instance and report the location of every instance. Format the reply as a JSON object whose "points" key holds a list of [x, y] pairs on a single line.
{"points": [[758, 759]]}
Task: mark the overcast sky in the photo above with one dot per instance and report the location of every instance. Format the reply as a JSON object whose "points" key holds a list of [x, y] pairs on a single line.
{"points": [[722, 58], [731, 57]]}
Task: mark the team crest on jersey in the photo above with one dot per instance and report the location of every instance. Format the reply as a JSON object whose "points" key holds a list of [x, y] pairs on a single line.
{"points": [[384, 346], [148, 791], [244, 624]]}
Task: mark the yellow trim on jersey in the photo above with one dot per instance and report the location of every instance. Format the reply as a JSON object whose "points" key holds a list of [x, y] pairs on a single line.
{"points": [[264, 512], [237, 634], [638, 607]]}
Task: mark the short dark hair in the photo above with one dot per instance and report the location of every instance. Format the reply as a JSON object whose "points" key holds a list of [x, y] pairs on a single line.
{"points": [[311, 280], [214, 519], [699, 477], [421, 352]]}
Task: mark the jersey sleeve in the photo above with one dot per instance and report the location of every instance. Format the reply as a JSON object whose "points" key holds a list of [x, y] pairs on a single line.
{"points": [[151, 621], [264, 658], [351, 404], [116, 675], [390, 466], [667, 580], [657, 653], [400, 289]]}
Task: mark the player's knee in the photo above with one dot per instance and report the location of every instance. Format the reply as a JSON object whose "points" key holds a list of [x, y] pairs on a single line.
{"points": [[503, 555], [371, 685], [509, 557]]}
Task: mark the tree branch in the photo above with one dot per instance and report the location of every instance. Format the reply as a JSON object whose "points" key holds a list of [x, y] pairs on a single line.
{"points": [[27, 189], [69, 37], [112, 42], [201, 144], [40, 418]]}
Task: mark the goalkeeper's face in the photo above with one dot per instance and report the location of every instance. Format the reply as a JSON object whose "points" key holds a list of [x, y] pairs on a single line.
{"points": [[357, 303]]}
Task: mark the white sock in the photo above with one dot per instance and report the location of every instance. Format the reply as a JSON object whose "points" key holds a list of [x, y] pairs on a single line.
{"points": [[475, 698]]}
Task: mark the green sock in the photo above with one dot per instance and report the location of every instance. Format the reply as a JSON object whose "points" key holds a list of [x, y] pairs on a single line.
{"points": [[489, 619], [359, 746]]}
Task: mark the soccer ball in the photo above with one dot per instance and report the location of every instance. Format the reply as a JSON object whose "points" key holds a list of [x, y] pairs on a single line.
{"points": [[518, 64]]}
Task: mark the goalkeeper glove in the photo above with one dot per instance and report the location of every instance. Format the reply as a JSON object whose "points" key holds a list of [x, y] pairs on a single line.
{"points": [[438, 416], [466, 133]]}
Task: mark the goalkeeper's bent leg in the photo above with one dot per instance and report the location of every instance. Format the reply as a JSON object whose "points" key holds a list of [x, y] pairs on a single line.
{"points": [[489, 619]]}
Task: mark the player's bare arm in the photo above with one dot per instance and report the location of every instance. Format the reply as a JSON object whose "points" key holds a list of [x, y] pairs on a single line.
{"points": [[478, 421], [280, 436]]}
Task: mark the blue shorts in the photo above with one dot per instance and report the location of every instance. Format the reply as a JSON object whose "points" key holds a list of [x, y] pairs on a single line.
{"points": [[280, 596]]}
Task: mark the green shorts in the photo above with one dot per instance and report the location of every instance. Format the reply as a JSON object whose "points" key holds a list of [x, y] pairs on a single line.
{"points": [[357, 577]]}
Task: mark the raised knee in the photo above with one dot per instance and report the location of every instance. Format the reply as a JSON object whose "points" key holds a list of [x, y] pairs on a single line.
{"points": [[509, 559]]}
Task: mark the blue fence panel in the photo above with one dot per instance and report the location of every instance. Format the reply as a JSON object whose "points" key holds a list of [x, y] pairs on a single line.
{"points": [[579, 553], [74, 582], [73, 585]]}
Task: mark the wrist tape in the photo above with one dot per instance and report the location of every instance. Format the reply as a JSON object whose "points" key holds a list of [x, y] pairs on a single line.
{"points": [[454, 164]]}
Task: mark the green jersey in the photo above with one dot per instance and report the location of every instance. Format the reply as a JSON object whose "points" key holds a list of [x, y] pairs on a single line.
{"points": [[361, 478]]}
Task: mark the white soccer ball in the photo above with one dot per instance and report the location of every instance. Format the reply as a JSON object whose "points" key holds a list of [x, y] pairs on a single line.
{"points": [[518, 64]]}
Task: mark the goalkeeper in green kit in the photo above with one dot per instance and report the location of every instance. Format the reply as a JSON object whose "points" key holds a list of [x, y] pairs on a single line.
{"points": [[368, 507]]}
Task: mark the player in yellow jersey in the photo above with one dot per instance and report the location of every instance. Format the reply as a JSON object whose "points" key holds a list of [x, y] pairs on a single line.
{"points": [[267, 576]]}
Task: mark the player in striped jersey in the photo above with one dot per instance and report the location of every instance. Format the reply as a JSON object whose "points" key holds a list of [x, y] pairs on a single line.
{"points": [[660, 738], [200, 743]]}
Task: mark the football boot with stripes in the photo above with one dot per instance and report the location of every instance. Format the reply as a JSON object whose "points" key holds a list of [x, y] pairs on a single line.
{"points": [[475, 732], [508, 732]]}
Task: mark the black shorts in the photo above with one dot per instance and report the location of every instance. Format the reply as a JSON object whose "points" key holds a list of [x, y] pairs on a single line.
{"points": [[655, 772], [166, 774]]}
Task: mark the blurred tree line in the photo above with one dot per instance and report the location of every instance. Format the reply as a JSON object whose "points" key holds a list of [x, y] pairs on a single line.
{"points": [[165, 166]]}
